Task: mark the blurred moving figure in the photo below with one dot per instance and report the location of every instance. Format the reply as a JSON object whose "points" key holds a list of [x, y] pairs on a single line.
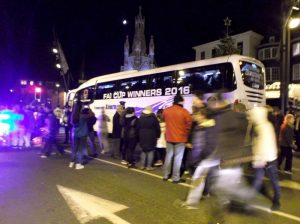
{"points": [[17, 136], [203, 144], [52, 126], [231, 133], [264, 147], [287, 143], [102, 132], [161, 142]]}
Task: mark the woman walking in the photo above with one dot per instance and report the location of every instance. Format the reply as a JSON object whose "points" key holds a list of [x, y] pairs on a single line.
{"points": [[287, 143]]}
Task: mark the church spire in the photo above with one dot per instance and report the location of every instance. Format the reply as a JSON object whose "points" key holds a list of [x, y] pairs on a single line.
{"points": [[151, 51], [139, 42], [126, 51], [138, 59]]}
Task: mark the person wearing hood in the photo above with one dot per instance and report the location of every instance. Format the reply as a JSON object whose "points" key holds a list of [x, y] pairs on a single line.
{"points": [[287, 143], [264, 148], [130, 136], [149, 132], [178, 123]]}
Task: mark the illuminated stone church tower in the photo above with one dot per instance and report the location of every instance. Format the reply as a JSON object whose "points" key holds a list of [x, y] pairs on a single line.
{"points": [[138, 59]]}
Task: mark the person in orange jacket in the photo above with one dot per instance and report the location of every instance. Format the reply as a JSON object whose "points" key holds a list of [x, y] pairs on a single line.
{"points": [[178, 123]]}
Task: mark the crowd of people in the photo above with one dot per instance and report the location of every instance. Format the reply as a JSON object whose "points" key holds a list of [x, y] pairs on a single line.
{"points": [[212, 144]]}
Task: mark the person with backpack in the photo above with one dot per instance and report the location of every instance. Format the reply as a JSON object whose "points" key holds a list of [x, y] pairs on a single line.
{"points": [[80, 117]]}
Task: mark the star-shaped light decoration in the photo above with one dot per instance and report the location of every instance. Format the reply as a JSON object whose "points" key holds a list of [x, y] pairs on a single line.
{"points": [[227, 23]]}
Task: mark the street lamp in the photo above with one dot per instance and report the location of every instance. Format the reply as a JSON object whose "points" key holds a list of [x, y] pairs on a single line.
{"points": [[38, 93], [54, 50], [288, 23], [57, 88]]}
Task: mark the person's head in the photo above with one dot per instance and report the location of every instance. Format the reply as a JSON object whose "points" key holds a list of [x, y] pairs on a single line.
{"points": [[211, 101], [217, 101], [197, 101], [122, 103], [178, 99], [289, 119], [120, 109], [85, 94], [148, 110], [276, 111], [129, 110]]}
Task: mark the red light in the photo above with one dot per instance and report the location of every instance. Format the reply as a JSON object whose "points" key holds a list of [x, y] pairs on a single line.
{"points": [[38, 89]]}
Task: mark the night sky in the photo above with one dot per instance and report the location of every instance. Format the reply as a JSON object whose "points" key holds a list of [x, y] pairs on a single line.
{"points": [[92, 31]]}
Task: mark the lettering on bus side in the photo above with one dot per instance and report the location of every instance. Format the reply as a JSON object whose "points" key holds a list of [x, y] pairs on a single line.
{"points": [[183, 90]]}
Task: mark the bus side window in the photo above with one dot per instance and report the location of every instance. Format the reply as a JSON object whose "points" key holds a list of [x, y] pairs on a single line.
{"points": [[87, 93], [212, 78], [141, 83], [105, 88]]}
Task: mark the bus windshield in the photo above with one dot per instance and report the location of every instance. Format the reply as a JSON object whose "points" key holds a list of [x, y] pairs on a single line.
{"points": [[252, 75]]}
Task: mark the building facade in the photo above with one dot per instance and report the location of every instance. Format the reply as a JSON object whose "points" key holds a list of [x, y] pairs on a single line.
{"points": [[247, 43], [138, 59], [268, 52]]}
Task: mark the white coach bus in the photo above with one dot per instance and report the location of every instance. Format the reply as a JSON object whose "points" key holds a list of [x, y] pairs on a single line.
{"points": [[241, 76]]}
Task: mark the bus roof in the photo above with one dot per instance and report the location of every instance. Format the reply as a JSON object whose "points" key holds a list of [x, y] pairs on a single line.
{"points": [[95, 79]]}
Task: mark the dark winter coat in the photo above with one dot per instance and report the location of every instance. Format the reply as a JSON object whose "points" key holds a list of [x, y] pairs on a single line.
{"points": [[286, 136], [130, 126], [117, 127], [149, 131], [90, 122], [53, 125], [203, 141], [231, 128]]}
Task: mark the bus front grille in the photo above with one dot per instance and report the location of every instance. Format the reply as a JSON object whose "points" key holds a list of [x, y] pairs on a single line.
{"points": [[254, 97]]}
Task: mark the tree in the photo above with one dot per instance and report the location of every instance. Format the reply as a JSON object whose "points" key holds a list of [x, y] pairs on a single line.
{"points": [[227, 46]]}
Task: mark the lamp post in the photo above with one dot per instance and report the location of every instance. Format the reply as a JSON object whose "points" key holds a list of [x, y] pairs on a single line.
{"points": [[57, 88], [285, 47]]}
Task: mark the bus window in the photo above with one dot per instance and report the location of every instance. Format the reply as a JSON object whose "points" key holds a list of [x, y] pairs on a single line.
{"points": [[210, 78], [127, 84], [252, 75], [138, 83], [105, 88], [86, 93], [163, 80]]}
